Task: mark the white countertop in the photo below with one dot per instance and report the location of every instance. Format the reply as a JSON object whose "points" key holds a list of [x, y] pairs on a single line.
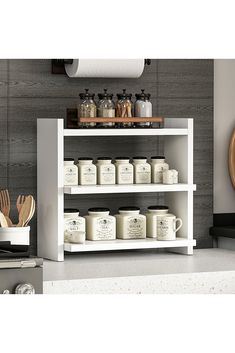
{"points": [[207, 271]]}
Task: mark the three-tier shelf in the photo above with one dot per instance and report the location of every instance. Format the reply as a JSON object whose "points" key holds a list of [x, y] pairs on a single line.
{"points": [[178, 149]]}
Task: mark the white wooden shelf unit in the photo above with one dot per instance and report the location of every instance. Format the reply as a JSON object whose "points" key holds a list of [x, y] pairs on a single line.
{"points": [[178, 149]]}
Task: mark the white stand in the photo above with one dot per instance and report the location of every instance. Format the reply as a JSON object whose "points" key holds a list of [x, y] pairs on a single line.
{"points": [[178, 150]]}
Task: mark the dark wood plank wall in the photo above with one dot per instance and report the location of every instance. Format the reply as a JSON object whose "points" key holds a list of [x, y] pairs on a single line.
{"points": [[179, 88]]}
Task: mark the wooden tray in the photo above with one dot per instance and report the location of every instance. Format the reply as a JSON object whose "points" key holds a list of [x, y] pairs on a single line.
{"points": [[231, 158], [121, 120]]}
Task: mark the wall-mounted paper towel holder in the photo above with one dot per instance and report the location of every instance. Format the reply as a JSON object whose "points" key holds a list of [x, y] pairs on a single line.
{"points": [[57, 65]]}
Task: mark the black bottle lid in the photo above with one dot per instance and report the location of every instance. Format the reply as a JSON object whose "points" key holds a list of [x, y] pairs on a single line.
{"points": [[85, 159], [98, 209], [105, 95], [142, 95], [104, 158], [71, 210], [158, 207], [158, 157], [139, 157], [122, 158], [124, 95], [129, 208], [86, 95], [68, 159]]}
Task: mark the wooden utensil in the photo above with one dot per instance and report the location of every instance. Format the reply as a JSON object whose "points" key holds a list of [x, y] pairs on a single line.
{"points": [[32, 212], [26, 210], [5, 205], [19, 202], [3, 220], [231, 158]]}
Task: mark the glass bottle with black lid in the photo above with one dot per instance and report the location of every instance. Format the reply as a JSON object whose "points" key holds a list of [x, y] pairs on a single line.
{"points": [[124, 107], [87, 107], [106, 108]]}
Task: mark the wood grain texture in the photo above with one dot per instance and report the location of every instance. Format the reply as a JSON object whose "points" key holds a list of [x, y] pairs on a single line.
{"points": [[179, 88]]}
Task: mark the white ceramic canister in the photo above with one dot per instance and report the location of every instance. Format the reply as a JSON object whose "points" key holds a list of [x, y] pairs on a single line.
{"points": [[167, 226], [142, 170], [100, 225], [151, 218], [143, 107], [74, 226], [86, 171], [70, 172], [105, 171], [124, 170], [130, 223], [158, 166], [170, 176]]}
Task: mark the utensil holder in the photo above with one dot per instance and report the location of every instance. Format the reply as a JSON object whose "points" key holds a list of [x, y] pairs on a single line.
{"points": [[15, 235]]}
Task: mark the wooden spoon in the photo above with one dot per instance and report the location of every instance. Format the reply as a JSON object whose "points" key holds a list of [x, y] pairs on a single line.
{"points": [[3, 220], [25, 211], [32, 212]]}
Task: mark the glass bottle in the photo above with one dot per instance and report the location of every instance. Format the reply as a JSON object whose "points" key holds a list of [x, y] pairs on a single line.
{"points": [[87, 107], [124, 107], [106, 108], [143, 108]]}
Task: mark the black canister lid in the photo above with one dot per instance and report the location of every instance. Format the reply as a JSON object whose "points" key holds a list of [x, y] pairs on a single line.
{"points": [[85, 159], [68, 159], [139, 157], [104, 158], [124, 95], [86, 94], [158, 207], [105, 95], [142, 95], [71, 210], [129, 208], [158, 157], [98, 209], [122, 158]]}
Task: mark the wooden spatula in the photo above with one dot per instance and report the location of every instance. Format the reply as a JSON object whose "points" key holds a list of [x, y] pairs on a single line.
{"points": [[25, 211], [3, 220], [32, 212]]}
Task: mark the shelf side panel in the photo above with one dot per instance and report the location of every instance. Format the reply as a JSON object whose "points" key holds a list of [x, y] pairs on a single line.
{"points": [[50, 198]]}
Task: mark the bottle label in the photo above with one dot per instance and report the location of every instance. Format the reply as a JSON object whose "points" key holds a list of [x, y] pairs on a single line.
{"points": [[70, 175], [104, 229], [158, 170], [135, 227], [125, 174], [88, 175], [107, 175], [73, 225], [143, 174], [166, 228]]}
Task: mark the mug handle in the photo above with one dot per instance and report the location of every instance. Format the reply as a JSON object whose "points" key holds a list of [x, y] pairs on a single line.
{"points": [[181, 223]]}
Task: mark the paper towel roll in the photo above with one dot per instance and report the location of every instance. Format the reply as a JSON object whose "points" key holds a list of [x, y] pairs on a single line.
{"points": [[130, 68]]}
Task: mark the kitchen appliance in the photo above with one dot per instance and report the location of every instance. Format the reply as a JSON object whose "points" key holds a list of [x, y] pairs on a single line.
{"points": [[20, 273]]}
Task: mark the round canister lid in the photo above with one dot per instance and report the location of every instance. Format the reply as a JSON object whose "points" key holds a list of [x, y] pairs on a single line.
{"points": [[71, 210], [129, 208], [122, 158], [98, 209], [68, 159], [139, 157], [158, 157], [104, 158], [85, 159], [158, 207]]}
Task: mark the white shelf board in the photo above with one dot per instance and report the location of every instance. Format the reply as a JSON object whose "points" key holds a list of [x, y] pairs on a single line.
{"points": [[133, 188], [126, 132], [119, 244]]}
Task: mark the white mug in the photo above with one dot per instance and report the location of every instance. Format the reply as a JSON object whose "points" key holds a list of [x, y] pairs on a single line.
{"points": [[166, 227]]}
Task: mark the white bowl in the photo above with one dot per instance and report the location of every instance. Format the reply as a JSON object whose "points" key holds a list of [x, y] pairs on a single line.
{"points": [[16, 235]]}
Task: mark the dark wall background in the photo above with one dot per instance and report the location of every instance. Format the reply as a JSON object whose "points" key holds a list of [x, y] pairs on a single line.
{"points": [[179, 88]]}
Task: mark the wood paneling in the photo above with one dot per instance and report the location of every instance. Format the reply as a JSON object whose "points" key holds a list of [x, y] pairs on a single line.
{"points": [[179, 88]]}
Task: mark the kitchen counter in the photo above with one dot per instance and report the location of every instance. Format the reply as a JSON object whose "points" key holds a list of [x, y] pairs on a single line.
{"points": [[147, 272]]}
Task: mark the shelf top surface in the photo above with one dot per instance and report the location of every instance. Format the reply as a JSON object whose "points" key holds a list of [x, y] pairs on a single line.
{"points": [[126, 132], [132, 188]]}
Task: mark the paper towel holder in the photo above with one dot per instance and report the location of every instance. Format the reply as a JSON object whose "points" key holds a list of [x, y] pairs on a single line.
{"points": [[57, 65]]}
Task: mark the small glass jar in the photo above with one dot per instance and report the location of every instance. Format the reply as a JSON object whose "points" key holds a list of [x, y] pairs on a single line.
{"points": [[124, 170], [105, 171], [124, 107], [130, 223], [106, 108], [142, 170], [143, 108], [100, 225], [86, 171], [87, 107], [70, 172], [74, 226], [158, 166], [152, 216]]}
